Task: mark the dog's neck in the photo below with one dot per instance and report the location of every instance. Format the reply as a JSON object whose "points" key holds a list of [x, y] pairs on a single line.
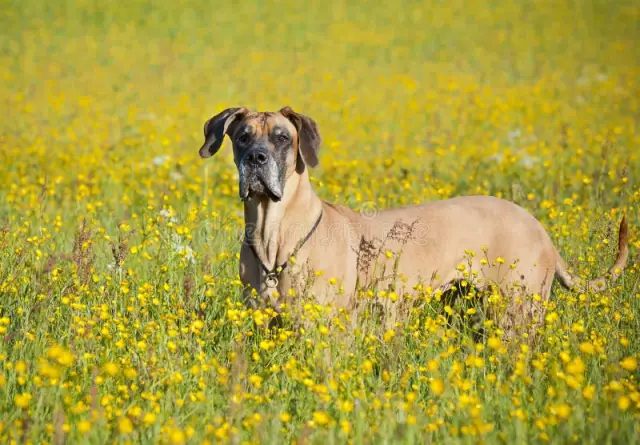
{"points": [[274, 229]]}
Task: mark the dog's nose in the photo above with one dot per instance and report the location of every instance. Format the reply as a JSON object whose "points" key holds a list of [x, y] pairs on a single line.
{"points": [[258, 156]]}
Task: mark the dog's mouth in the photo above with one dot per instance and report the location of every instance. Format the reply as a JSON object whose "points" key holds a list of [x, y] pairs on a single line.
{"points": [[260, 181]]}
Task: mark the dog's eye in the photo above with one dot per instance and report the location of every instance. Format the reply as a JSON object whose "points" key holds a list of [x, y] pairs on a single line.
{"points": [[282, 138], [244, 138]]}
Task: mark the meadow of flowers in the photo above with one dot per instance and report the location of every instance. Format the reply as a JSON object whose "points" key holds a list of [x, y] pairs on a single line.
{"points": [[121, 317]]}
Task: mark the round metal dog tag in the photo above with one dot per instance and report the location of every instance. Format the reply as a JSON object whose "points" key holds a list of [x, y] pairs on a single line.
{"points": [[271, 280]]}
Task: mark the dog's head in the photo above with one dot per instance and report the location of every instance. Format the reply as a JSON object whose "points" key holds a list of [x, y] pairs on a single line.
{"points": [[268, 147]]}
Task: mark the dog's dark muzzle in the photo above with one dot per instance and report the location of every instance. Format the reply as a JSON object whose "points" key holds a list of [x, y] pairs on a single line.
{"points": [[260, 174]]}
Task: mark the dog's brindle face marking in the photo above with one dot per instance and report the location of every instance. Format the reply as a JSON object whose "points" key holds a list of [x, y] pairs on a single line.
{"points": [[269, 133]]}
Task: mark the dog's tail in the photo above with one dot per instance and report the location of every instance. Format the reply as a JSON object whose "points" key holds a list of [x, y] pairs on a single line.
{"points": [[598, 284]]}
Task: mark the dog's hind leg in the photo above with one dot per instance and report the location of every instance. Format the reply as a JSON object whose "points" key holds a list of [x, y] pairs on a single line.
{"points": [[526, 305]]}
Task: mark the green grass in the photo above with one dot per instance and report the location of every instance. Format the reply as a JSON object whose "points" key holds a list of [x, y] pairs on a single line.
{"points": [[138, 333]]}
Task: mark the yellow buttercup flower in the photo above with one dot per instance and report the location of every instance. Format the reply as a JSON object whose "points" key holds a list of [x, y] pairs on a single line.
{"points": [[624, 403], [84, 426], [629, 364], [23, 400], [149, 419], [563, 411], [125, 426], [437, 386], [321, 418]]}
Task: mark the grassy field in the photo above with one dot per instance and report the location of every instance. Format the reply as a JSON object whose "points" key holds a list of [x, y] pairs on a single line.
{"points": [[121, 317]]}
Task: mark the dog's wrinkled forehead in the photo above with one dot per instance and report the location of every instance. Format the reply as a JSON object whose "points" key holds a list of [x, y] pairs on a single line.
{"points": [[263, 124]]}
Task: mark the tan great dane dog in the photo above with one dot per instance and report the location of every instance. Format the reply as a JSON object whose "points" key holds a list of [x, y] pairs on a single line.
{"points": [[426, 244]]}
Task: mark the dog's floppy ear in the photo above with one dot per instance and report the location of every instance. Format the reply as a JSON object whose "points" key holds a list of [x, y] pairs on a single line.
{"points": [[215, 129], [308, 136]]}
